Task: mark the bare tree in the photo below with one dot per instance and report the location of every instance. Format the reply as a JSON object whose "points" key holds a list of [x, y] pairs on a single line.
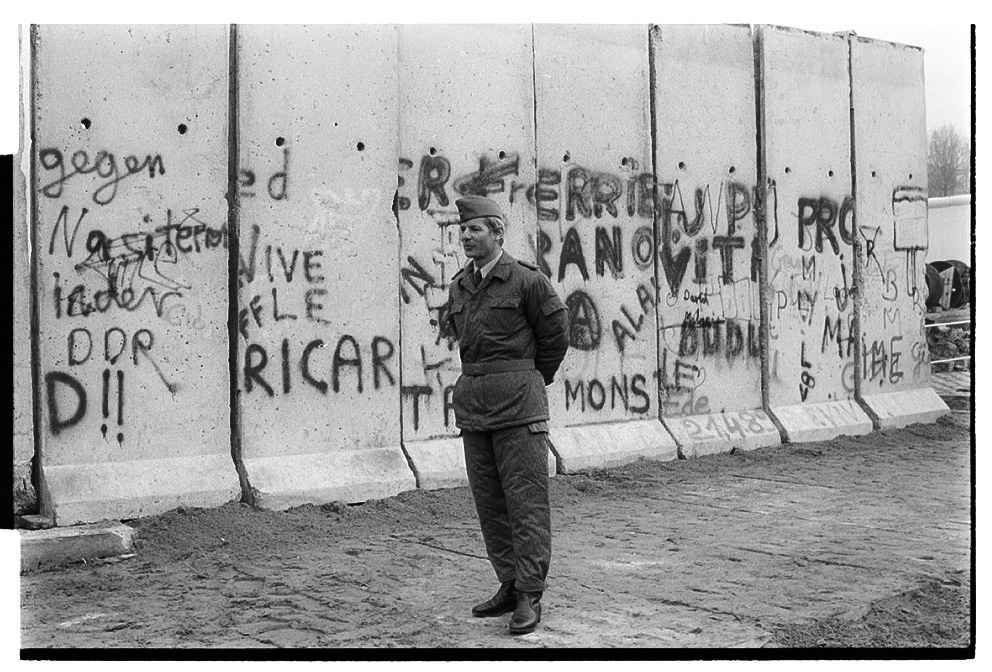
{"points": [[948, 162]]}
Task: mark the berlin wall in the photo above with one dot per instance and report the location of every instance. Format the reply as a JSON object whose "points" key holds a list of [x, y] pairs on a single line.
{"points": [[806, 130], [891, 193], [595, 242], [709, 247], [131, 245], [242, 239], [318, 317]]}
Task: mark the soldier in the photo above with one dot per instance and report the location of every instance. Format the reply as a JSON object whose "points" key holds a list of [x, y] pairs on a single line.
{"points": [[512, 332]]}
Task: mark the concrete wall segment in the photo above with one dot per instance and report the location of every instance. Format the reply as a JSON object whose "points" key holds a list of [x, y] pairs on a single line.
{"points": [[810, 218], [708, 251], [595, 222], [318, 317], [649, 225], [890, 142], [706, 163], [466, 127], [131, 126]]}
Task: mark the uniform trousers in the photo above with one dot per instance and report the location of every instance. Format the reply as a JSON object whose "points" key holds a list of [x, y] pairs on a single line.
{"points": [[508, 474]]}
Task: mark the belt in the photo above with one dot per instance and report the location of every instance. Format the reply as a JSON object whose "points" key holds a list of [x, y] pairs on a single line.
{"points": [[500, 366]]}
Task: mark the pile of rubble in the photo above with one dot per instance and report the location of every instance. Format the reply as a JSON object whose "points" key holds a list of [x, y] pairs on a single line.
{"points": [[948, 343]]}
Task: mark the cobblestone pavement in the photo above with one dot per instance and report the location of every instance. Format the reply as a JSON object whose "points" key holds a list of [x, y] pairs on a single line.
{"points": [[713, 551]]}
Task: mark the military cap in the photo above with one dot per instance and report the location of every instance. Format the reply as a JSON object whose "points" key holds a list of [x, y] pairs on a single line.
{"points": [[472, 207]]}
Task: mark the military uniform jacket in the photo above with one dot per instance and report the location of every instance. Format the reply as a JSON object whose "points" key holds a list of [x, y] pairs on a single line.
{"points": [[513, 318]]}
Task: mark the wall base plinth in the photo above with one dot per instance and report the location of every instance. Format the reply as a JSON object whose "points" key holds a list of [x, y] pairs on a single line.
{"points": [[351, 476], [898, 409], [611, 444], [722, 432], [87, 493], [822, 421]]}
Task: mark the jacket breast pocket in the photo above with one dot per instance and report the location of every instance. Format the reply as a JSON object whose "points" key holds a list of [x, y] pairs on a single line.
{"points": [[505, 303], [504, 317], [456, 317]]}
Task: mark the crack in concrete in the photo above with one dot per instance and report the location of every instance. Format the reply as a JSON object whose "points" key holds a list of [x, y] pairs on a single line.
{"points": [[777, 480], [805, 558], [439, 548], [916, 533], [710, 610]]}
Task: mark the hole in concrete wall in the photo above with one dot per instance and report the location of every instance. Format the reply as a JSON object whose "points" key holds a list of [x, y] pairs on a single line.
{"points": [[830, 173], [910, 176], [85, 122], [623, 161], [681, 165], [433, 151], [182, 129], [502, 154], [361, 146], [788, 170], [280, 141], [567, 157], [873, 173], [733, 170]]}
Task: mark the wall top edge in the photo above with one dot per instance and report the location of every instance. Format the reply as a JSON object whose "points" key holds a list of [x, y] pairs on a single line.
{"points": [[948, 201], [876, 41]]}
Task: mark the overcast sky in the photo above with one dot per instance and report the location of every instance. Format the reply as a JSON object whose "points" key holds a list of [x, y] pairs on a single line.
{"points": [[946, 66]]}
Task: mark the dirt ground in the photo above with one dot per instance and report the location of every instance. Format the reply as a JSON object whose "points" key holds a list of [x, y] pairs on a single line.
{"points": [[859, 541]]}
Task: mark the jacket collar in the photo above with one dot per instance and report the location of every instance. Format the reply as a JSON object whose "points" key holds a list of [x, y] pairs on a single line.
{"points": [[501, 270]]}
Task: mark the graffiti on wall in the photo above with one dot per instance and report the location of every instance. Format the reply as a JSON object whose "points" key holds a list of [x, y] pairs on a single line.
{"points": [[116, 293], [811, 280], [285, 291], [893, 269]]}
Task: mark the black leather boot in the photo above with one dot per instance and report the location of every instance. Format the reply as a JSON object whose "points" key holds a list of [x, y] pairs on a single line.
{"points": [[527, 614], [503, 601]]}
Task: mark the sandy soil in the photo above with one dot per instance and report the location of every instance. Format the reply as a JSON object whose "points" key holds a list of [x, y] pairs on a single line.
{"points": [[860, 541]]}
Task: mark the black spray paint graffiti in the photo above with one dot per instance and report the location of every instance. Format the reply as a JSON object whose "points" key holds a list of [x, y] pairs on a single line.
{"points": [[676, 383], [104, 165], [422, 281], [132, 267], [277, 185], [676, 221], [587, 193], [282, 266], [818, 217], [415, 393], [80, 351], [592, 394], [347, 362], [59, 419]]}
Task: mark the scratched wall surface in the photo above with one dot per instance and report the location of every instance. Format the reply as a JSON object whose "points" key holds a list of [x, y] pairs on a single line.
{"points": [[709, 316], [594, 216], [131, 173], [466, 127], [891, 148], [810, 216], [318, 319]]}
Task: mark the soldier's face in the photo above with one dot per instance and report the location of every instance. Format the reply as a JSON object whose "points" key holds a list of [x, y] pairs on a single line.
{"points": [[478, 240]]}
